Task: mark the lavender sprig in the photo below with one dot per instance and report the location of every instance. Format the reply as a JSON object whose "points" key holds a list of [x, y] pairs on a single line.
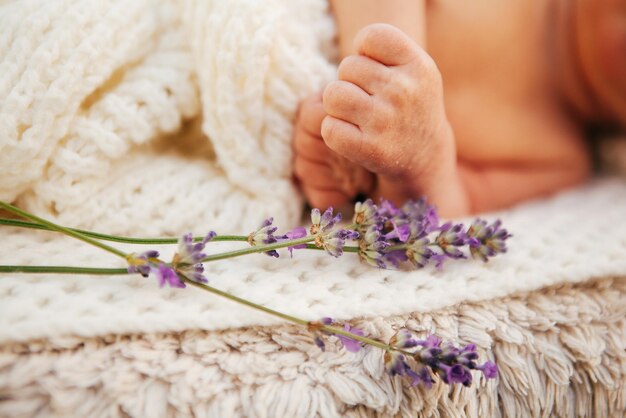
{"points": [[429, 357], [185, 263], [386, 235], [487, 240], [264, 235], [391, 236], [404, 236]]}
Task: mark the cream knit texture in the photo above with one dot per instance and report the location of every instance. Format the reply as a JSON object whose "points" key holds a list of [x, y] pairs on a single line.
{"points": [[574, 237], [157, 117], [88, 86]]}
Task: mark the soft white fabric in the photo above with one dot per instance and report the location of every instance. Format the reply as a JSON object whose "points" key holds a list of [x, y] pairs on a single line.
{"points": [[87, 85], [93, 132], [574, 237]]}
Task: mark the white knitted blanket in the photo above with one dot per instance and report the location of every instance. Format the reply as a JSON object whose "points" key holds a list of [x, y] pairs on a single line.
{"points": [[160, 117]]}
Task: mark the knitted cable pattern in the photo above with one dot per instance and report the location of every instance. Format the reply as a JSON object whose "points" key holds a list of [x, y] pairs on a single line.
{"points": [[89, 86]]}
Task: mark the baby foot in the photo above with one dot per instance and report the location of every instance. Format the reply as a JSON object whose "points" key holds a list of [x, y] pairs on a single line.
{"points": [[386, 114], [326, 178]]}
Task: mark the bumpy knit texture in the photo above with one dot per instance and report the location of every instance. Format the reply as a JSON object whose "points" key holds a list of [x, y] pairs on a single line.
{"points": [[161, 117], [87, 86]]}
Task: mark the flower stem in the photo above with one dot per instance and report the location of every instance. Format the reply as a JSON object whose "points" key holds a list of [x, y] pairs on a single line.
{"points": [[369, 341], [132, 240], [258, 249], [244, 302], [61, 229], [346, 249], [290, 318], [62, 269], [117, 238]]}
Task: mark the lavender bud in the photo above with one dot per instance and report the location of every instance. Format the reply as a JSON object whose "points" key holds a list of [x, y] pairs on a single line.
{"points": [[488, 240]]}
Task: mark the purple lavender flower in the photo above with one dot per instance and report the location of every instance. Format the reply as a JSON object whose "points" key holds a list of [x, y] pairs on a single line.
{"points": [[185, 261], [420, 212], [264, 235], [315, 327], [348, 234], [393, 258], [148, 263], [487, 240], [450, 238], [387, 210], [351, 344], [194, 272], [190, 252], [489, 369], [319, 342], [452, 364], [167, 275], [323, 222], [396, 364], [142, 263], [418, 252], [365, 214], [431, 341], [455, 374], [325, 237], [348, 343], [400, 231], [403, 339], [295, 233], [334, 241], [372, 246], [423, 376]]}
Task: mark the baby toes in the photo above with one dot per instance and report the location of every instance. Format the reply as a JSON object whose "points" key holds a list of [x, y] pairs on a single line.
{"points": [[310, 147], [311, 113], [322, 199], [319, 184], [314, 174], [368, 74], [345, 138], [386, 44], [347, 101]]}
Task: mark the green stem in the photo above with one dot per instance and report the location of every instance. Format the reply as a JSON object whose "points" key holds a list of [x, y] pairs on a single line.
{"points": [[61, 229], [87, 237], [346, 249], [117, 238], [62, 269], [375, 343], [258, 249], [299, 321], [245, 302], [221, 293], [131, 240]]}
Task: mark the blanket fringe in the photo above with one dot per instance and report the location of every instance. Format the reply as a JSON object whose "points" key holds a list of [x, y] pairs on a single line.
{"points": [[560, 352]]}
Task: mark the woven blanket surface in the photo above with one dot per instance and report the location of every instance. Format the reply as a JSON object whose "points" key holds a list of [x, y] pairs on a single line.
{"points": [[573, 237], [160, 117], [560, 352], [93, 134]]}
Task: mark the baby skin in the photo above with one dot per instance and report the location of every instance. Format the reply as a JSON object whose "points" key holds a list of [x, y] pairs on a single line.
{"points": [[510, 126]]}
